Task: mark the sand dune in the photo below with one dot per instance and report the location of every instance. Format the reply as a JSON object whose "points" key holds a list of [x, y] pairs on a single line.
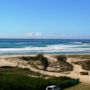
{"points": [[12, 61]]}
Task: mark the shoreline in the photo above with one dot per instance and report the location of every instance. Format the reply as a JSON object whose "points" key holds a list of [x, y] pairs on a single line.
{"points": [[11, 55]]}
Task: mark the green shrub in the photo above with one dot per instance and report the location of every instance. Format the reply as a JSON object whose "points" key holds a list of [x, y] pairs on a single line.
{"points": [[84, 73], [61, 58], [64, 66], [28, 58], [9, 81], [84, 64], [5, 67], [39, 56], [44, 62]]}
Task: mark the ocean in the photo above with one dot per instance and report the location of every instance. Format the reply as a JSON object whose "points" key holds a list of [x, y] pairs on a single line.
{"points": [[47, 46]]}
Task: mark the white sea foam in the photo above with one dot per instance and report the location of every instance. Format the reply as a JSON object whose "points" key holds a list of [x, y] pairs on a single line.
{"points": [[76, 42], [48, 48]]}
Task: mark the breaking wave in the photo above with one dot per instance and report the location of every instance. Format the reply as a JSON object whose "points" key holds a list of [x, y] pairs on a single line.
{"points": [[48, 48]]}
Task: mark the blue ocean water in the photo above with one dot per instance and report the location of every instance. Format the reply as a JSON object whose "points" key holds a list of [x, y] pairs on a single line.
{"points": [[47, 46]]}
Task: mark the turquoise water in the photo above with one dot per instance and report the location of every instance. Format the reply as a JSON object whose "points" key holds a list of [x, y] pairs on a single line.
{"points": [[48, 46]]}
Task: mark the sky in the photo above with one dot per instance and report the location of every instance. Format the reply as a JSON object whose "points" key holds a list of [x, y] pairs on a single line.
{"points": [[44, 18]]}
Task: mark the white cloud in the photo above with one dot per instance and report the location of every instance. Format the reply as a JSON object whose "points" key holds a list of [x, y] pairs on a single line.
{"points": [[33, 34], [54, 36], [38, 34], [29, 34]]}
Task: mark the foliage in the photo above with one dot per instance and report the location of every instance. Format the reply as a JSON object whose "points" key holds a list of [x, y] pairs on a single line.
{"points": [[64, 66], [6, 67], [79, 56], [10, 81], [84, 73], [18, 70], [28, 58], [43, 60], [84, 64], [39, 56], [61, 58]]}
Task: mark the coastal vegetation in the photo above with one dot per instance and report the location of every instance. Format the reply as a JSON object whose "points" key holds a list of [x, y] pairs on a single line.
{"points": [[84, 73], [85, 64], [79, 56], [41, 62], [14, 80], [64, 65], [18, 78], [18, 70], [61, 58], [40, 57], [43, 70]]}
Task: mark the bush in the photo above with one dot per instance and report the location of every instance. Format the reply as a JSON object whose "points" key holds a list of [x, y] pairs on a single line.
{"points": [[9, 81], [61, 58], [6, 67], [64, 66], [32, 57], [28, 58], [39, 56], [25, 58], [84, 64], [84, 73], [43, 60]]}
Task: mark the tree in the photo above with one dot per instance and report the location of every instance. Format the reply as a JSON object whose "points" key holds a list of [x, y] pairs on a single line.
{"points": [[44, 62]]}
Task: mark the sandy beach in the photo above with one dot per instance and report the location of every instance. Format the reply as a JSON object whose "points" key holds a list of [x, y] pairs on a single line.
{"points": [[13, 61]]}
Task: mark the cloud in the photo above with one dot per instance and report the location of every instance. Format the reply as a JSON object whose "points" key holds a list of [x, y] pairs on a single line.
{"points": [[55, 36], [33, 34], [29, 34], [38, 34]]}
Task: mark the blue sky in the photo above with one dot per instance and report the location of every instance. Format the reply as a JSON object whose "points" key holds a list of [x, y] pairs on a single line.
{"points": [[45, 18]]}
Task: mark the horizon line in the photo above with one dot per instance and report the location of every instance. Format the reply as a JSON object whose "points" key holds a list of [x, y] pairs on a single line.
{"points": [[44, 38]]}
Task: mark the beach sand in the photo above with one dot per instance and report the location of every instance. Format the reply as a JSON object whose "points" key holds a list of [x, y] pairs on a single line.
{"points": [[13, 60]]}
